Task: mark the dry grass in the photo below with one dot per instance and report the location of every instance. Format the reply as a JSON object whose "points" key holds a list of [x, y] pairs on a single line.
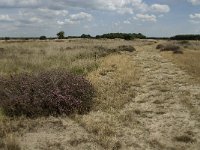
{"points": [[78, 56], [113, 81], [8, 140], [36, 56], [189, 61], [115, 75]]}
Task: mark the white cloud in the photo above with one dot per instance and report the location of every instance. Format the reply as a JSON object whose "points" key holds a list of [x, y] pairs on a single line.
{"points": [[53, 12], [127, 22], [68, 21], [19, 3], [76, 18], [120, 6], [146, 17], [125, 11], [195, 2], [5, 18], [195, 16], [81, 16], [60, 22], [35, 20], [194, 21], [160, 8]]}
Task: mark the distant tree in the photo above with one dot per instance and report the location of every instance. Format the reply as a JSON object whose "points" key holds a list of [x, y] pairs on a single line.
{"points": [[186, 37], [128, 37], [85, 36], [7, 38], [43, 37], [61, 35]]}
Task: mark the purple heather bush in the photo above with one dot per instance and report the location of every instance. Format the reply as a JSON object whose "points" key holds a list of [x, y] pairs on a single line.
{"points": [[54, 92]]}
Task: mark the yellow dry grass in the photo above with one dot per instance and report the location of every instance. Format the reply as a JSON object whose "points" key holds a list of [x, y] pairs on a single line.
{"points": [[189, 62], [112, 81]]}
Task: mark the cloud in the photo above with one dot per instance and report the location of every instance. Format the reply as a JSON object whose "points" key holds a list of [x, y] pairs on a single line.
{"points": [[146, 17], [120, 6], [125, 11], [76, 18], [194, 21], [53, 12], [194, 2], [19, 3], [81, 16], [5, 18], [195, 16], [60, 22], [35, 20], [126, 22], [160, 8]]}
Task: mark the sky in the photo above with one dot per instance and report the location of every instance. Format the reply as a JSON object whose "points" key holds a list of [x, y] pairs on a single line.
{"points": [[155, 18]]}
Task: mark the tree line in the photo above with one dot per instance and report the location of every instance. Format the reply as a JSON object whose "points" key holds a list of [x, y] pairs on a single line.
{"points": [[61, 35], [126, 36], [186, 37]]}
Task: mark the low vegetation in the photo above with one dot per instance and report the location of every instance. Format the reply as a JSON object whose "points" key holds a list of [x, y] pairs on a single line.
{"points": [[170, 47], [189, 60], [113, 81], [50, 93]]}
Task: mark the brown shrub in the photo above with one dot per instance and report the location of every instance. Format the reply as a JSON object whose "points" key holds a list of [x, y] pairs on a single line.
{"points": [[103, 51], [159, 46], [170, 47], [127, 48], [178, 52], [49, 93]]}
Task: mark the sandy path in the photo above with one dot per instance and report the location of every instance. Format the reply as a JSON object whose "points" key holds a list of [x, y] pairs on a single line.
{"points": [[166, 106], [165, 114]]}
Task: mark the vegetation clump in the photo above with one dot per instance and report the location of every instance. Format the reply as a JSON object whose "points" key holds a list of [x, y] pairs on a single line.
{"points": [[186, 37], [102, 51], [43, 37], [54, 92], [170, 47], [61, 35], [159, 46], [128, 48], [126, 36]]}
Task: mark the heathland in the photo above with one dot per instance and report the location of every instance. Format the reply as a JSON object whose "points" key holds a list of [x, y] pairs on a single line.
{"points": [[99, 94]]}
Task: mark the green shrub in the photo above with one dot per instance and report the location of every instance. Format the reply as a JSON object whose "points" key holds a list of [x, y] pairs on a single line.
{"points": [[54, 92], [43, 37]]}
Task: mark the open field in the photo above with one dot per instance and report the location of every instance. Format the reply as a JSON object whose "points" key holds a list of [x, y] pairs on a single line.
{"points": [[144, 99]]}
